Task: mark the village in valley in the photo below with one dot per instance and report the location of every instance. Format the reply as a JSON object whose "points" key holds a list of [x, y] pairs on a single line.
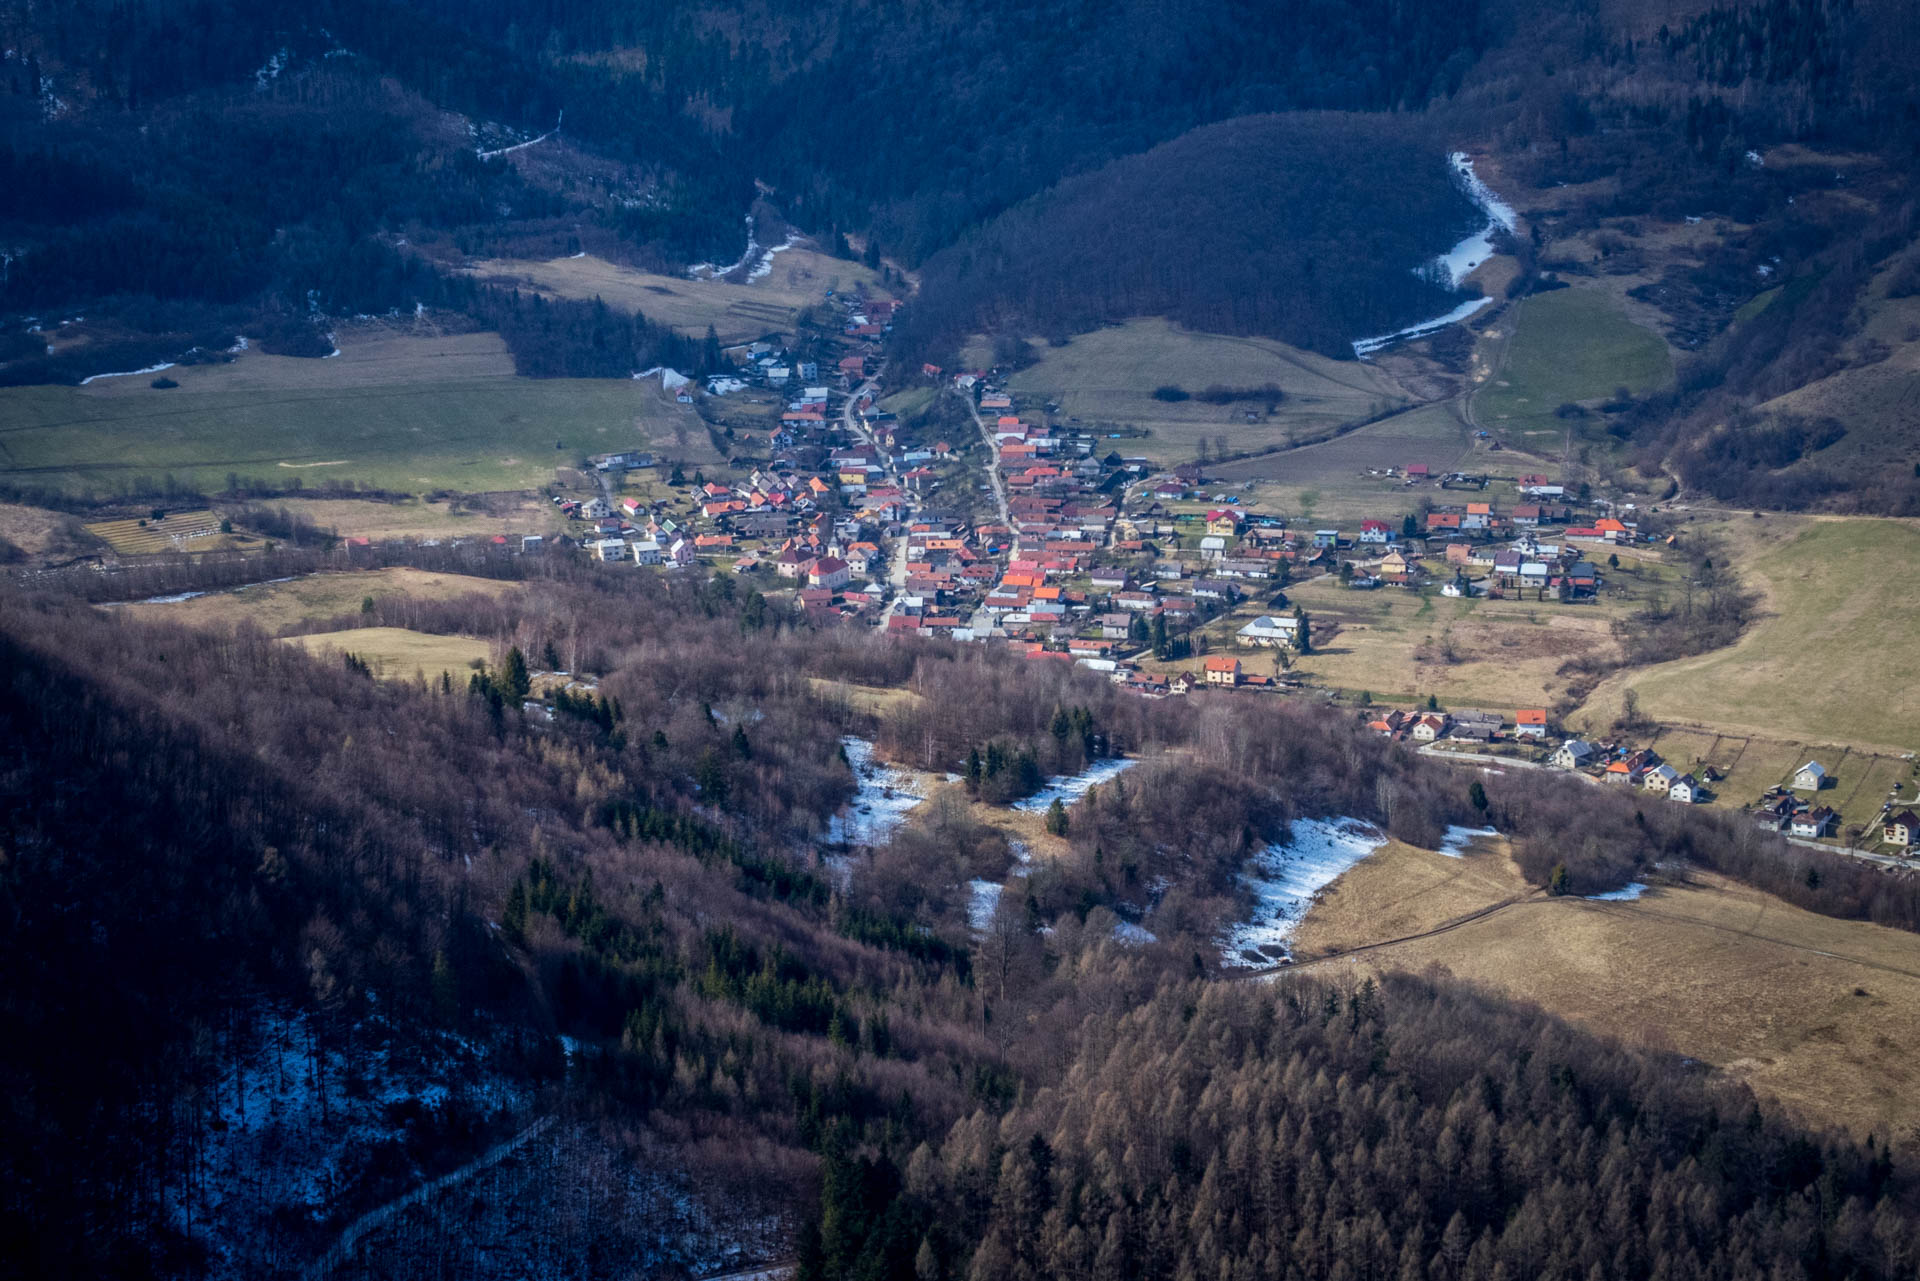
{"points": [[975, 517]]}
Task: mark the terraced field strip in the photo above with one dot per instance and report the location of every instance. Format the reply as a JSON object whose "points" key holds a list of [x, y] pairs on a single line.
{"points": [[136, 537]]}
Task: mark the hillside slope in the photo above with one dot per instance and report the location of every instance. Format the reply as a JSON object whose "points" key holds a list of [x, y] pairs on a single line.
{"points": [[1266, 224]]}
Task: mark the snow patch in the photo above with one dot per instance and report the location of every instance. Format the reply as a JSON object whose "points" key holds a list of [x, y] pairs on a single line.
{"points": [[128, 373], [764, 267], [1454, 844], [984, 900], [174, 599], [1069, 788], [885, 797], [1133, 935], [707, 271], [1453, 267], [1285, 877], [1367, 346], [521, 146], [1625, 894], [271, 69]]}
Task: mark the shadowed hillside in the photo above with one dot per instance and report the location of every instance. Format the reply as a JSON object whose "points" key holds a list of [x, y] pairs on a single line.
{"points": [[1269, 224]]}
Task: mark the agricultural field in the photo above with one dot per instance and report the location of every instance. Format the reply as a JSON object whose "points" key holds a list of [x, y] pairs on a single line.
{"points": [[274, 607], [743, 312], [1821, 1014], [1109, 376], [1571, 345], [395, 653], [1830, 659], [405, 414], [180, 531]]}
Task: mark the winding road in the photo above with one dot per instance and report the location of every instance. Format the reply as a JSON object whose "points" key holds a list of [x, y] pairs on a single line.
{"points": [[993, 469], [856, 425]]}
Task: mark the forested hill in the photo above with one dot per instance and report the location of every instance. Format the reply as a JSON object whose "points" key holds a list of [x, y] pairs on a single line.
{"points": [[923, 119], [1268, 224]]}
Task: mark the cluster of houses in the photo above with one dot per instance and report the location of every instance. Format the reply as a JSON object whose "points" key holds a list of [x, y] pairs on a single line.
{"points": [[1629, 767], [1782, 809], [1462, 550], [864, 324], [1529, 724]]}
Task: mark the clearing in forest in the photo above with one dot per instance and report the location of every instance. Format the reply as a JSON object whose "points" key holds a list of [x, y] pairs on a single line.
{"points": [[801, 277], [1571, 346], [396, 653]]}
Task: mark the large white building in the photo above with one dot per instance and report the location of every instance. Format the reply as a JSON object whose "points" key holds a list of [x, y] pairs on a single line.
{"points": [[1269, 631]]}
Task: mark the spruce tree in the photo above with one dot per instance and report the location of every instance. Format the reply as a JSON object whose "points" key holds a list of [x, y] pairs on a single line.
{"points": [[515, 684]]}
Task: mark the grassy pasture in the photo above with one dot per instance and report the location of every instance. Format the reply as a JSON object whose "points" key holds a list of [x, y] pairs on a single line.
{"points": [[395, 653], [512, 514], [1831, 660], [273, 607], [1110, 375], [800, 278], [1570, 345], [1334, 481], [407, 414], [1822, 1014], [1506, 653]]}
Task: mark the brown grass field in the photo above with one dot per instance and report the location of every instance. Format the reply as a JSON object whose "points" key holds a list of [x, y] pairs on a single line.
{"points": [[800, 278], [1505, 653], [396, 653], [41, 533], [1828, 661], [1822, 1015], [274, 607], [1341, 481], [875, 700], [1109, 375]]}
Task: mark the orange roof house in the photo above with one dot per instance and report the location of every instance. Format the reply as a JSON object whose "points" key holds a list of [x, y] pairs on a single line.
{"points": [[1223, 669]]}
